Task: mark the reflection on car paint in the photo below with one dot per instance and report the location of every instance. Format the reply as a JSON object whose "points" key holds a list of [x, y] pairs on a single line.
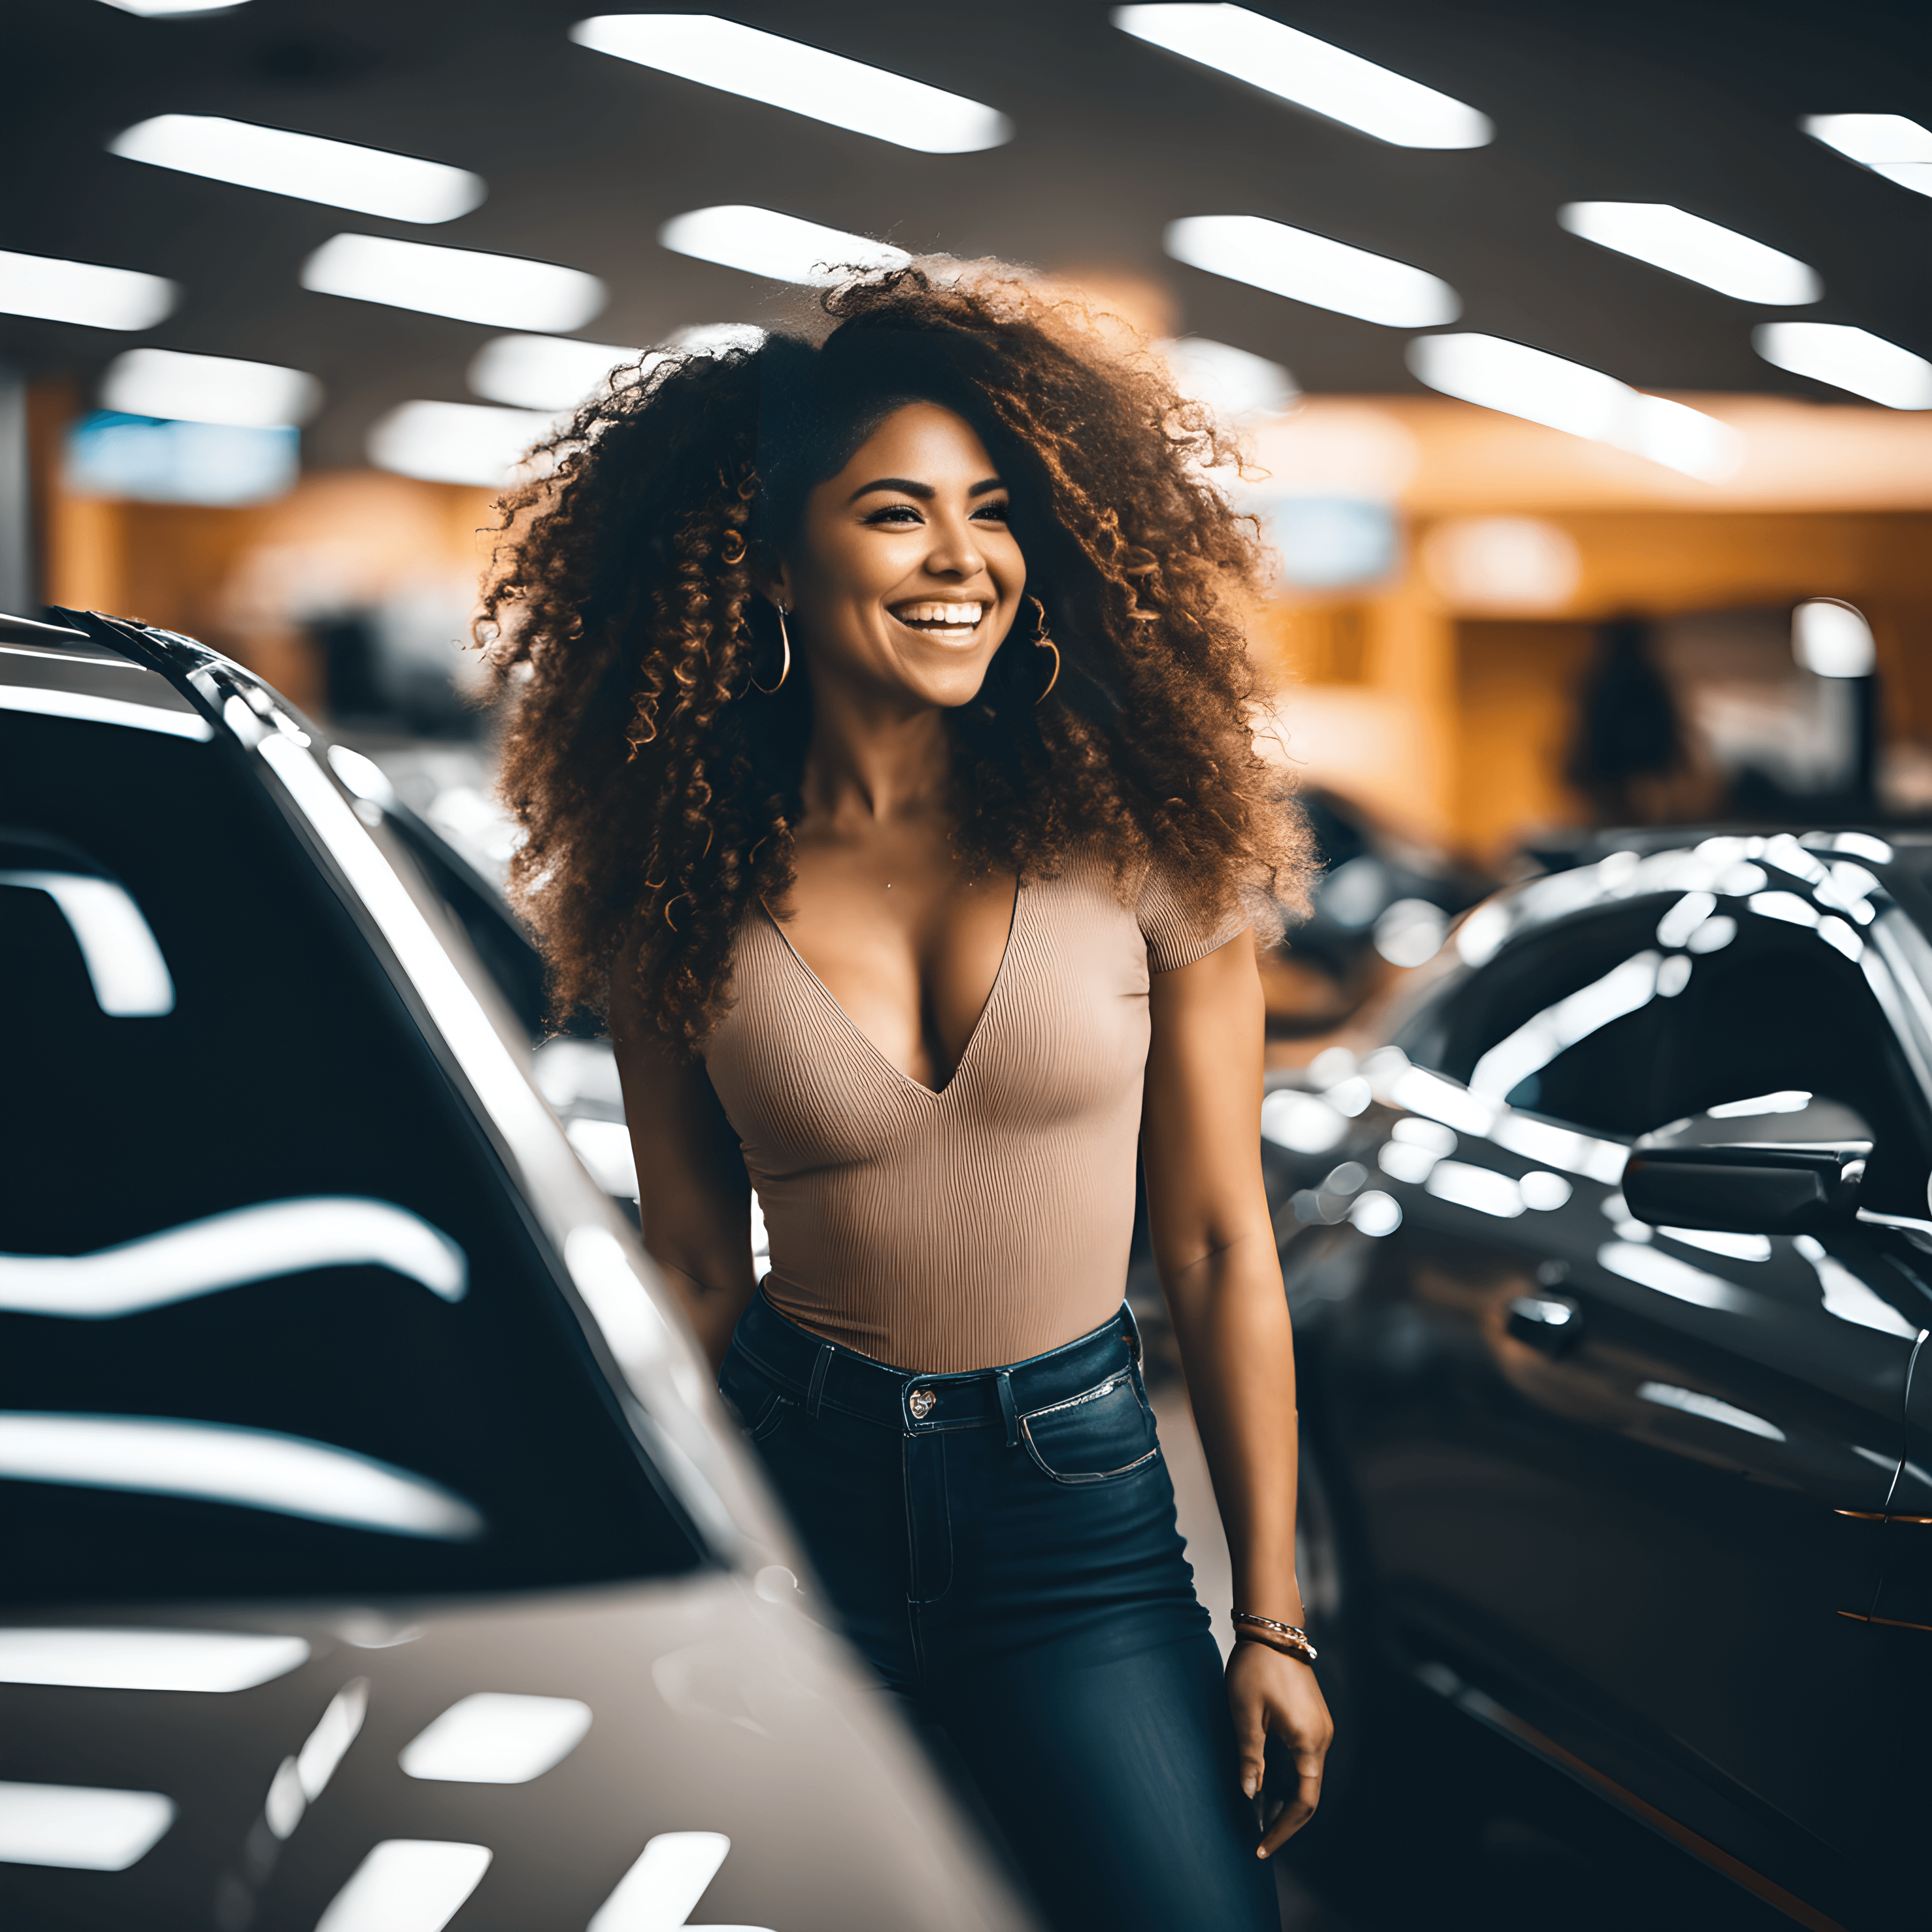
{"points": [[664, 1886], [124, 961], [148, 1660], [496, 1737], [1650, 1267], [1689, 1401], [80, 1827], [244, 1246], [1848, 1297], [222, 1462], [407, 1884]]}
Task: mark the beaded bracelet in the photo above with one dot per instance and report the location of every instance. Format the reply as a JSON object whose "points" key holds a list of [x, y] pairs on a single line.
{"points": [[1289, 1638]]}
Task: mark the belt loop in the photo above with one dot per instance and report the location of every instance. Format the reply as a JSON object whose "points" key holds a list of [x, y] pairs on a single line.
{"points": [[1133, 1332], [1005, 1383], [817, 1390]]}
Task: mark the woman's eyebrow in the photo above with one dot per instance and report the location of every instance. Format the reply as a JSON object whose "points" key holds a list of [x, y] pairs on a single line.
{"points": [[925, 492], [905, 485]]}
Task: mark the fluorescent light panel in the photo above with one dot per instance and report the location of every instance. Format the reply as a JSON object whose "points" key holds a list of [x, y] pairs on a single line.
{"points": [[80, 1827], [1297, 67], [762, 241], [209, 388], [1888, 144], [802, 80], [1520, 381], [456, 443], [1700, 251], [407, 1884], [507, 290], [148, 1660], [1849, 358], [496, 1737], [1312, 268], [278, 161], [544, 372], [82, 291], [1233, 383]]}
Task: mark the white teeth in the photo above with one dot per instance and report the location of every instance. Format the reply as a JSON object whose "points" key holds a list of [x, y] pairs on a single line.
{"points": [[966, 614]]}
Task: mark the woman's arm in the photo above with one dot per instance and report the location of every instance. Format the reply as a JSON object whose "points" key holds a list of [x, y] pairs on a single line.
{"points": [[1214, 1246], [693, 1197]]}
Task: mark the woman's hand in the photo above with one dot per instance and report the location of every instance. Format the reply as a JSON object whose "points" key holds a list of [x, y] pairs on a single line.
{"points": [[1269, 1691]]}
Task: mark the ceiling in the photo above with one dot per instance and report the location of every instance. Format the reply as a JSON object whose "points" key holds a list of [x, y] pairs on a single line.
{"points": [[1694, 102]]}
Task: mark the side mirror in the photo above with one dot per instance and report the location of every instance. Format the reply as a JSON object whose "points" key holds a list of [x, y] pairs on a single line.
{"points": [[1782, 1164]]}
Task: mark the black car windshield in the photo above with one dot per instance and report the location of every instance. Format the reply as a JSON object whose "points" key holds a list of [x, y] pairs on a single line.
{"points": [[271, 1319]]}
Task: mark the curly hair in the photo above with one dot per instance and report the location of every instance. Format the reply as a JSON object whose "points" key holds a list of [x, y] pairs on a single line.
{"points": [[657, 780]]}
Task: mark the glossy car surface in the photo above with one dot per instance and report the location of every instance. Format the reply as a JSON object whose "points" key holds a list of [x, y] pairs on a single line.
{"points": [[1652, 1500], [375, 1548]]}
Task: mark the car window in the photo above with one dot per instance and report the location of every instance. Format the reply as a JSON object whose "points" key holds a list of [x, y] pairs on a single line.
{"points": [[1622, 1018], [272, 1319], [1561, 1022], [1776, 1008]]}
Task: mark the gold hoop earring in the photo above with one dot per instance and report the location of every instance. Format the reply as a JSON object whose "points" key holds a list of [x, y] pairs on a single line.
{"points": [[785, 638], [1043, 642]]}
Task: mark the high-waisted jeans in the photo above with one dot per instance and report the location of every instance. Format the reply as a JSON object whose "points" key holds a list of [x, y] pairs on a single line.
{"points": [[1002, 1547]]}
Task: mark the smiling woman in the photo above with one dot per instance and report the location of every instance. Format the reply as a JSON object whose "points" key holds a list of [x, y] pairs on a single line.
{"points": [[878, 721]]}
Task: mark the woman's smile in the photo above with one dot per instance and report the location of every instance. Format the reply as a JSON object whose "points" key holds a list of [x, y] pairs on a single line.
{"points": [[948, 623]]}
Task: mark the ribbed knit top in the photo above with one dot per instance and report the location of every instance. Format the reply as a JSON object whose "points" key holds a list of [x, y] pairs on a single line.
{"points": [[989, 1221]]}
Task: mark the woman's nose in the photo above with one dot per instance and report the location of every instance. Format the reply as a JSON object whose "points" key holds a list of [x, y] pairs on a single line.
{"points": [[954, 552]]}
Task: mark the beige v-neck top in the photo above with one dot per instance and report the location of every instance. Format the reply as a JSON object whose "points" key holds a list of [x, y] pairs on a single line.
{"points": [[987, 1222]]}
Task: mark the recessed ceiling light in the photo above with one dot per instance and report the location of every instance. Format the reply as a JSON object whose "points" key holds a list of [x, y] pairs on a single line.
{"points": [[762, 241], [457, 442], [1888, 144], [804, 79], [1234, 383], [1849, 358], [544, 372], [82, 291], [1313, 269], [162, 10], [305, 166], [505, 289], [209, 389], [1699, 251], [1298, 68], [1520, 381], [1832, 639], [554, 373]]}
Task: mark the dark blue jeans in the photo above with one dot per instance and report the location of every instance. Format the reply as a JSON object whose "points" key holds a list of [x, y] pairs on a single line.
{"points": [[1002, 1547]]}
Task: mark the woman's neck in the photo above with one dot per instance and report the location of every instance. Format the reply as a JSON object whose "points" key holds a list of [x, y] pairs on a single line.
{"points": [[871, 761]]}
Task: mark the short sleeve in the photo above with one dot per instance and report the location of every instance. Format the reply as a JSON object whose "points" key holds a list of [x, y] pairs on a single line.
{"points": [[1176, 935]]}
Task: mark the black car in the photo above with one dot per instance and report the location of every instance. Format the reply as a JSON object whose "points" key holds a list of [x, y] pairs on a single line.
{"points": [[374, 1551], [1612, 1271]]}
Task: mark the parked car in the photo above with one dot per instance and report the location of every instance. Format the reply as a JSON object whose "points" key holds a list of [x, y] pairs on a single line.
{"points": [[376, 1552], [1611, 1273]]}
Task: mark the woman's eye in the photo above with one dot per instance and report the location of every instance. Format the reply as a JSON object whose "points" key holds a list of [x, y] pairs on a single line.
{"points": [[895, 513], [992, 513]]}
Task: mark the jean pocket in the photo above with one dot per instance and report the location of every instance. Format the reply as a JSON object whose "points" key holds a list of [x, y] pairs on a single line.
{"points": [[1105, 1432], [758, 1405]]}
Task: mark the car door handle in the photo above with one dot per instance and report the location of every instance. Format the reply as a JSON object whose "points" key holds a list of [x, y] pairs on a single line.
{"points": [[1550, 1322]]}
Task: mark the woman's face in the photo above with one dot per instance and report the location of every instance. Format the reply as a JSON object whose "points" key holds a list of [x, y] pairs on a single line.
{"points": [[907, 577]]}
